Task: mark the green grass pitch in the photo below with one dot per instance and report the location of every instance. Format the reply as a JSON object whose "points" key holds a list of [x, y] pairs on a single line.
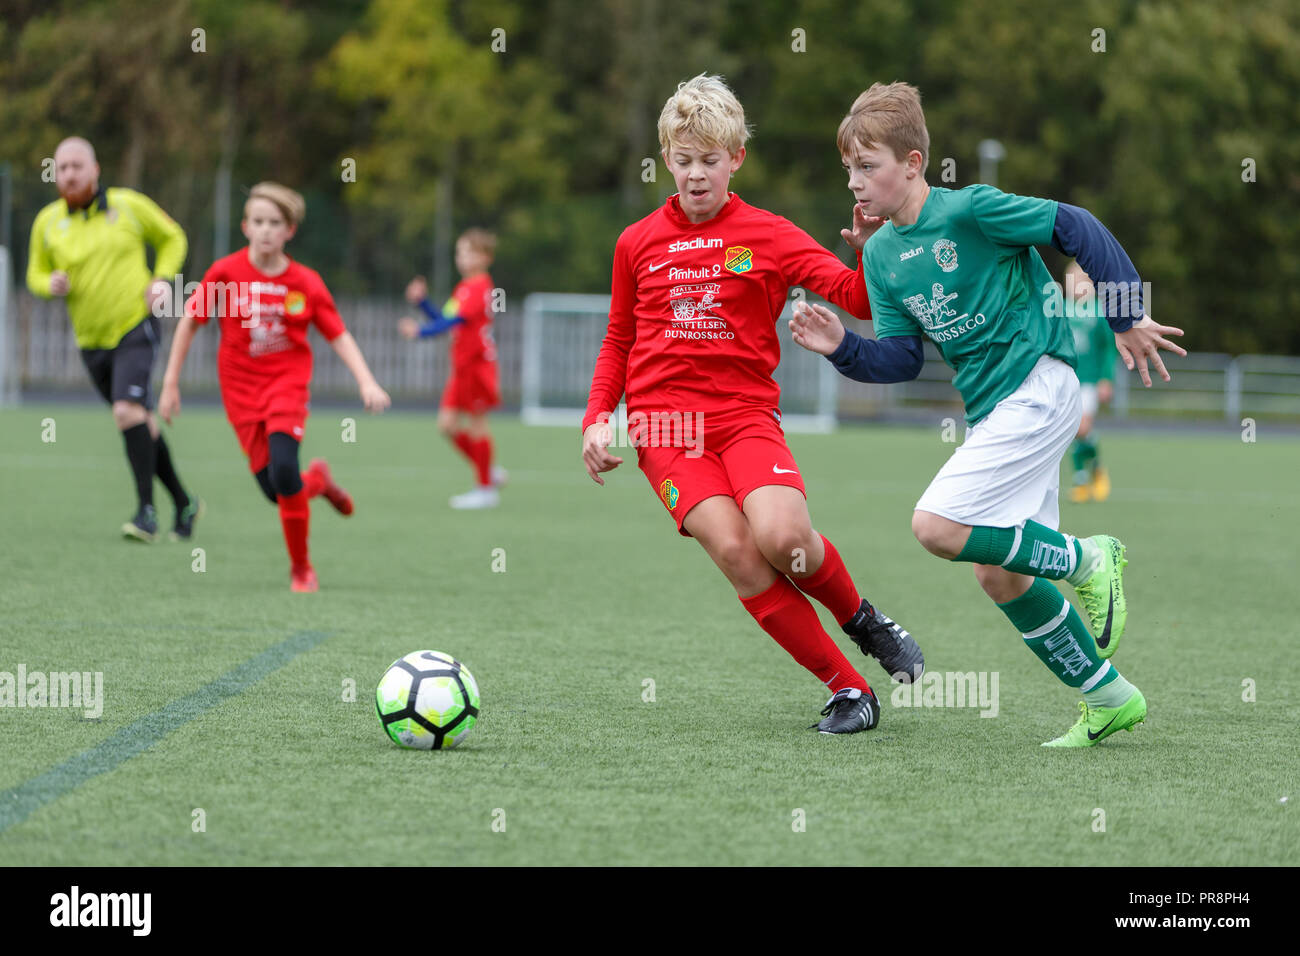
{"points": [[570, 764]]}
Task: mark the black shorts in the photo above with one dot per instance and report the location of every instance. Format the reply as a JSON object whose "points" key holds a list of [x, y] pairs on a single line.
{"points": [[122, 373]]}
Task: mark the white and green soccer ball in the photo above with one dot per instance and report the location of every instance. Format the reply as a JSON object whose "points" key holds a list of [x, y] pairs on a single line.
{"points": [[427, 701]]}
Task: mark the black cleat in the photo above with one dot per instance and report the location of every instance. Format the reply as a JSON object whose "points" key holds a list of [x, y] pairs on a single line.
{"points": [[143, 527], [895, 649], [849, 711], [183, 529]]}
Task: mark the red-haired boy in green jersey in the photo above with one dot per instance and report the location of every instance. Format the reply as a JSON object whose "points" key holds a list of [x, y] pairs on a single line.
{"points": [[959, 267]]}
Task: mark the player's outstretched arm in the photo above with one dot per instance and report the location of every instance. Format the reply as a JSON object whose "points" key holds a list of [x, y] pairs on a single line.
{"points": [[1143, 341], [862, 228], [897, 358], [169, 402], [373, 397], [816, 328], [595, 450], [416, 290], [42, 278]]}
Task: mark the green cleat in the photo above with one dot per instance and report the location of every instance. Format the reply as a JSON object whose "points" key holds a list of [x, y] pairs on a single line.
{"points": [[1102, 595], [1097, 724], [183, 529]]}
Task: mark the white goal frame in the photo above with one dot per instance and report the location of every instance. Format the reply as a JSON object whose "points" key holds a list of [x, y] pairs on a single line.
{"points": [[818, 378]]}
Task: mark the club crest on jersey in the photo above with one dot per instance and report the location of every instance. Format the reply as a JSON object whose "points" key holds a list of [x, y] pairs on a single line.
{"points": [[669, 493], [738, 259], [945, 253], [295, 302]]}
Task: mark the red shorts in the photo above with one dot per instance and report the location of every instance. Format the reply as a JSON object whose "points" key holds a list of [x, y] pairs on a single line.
{"points": [[729, 455], [472, 388], [281, 413]]}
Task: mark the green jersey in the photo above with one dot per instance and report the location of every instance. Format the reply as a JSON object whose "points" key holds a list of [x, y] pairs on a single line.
{"points": [[101, 248], [1094, 342], [966, 276]]}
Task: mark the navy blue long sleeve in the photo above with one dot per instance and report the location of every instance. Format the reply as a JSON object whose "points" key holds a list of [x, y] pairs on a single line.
{"points": [[438, 323], [895, 359], [1078, 233]]}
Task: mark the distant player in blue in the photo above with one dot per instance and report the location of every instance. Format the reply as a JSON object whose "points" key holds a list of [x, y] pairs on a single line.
{"points": [[1094, 347], [959, 267]]}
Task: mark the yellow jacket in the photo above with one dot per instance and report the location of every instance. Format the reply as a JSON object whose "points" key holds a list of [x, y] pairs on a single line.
{"points": [[101, 248]]}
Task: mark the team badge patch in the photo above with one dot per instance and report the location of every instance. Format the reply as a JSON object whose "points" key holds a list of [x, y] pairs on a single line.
{"points": [[739, 259], [669, 493], [945, 253], [295, 302]]}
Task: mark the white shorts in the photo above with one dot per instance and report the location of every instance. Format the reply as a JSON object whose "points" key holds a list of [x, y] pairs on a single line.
{"points": [[1088, 395], [1008, 471]]}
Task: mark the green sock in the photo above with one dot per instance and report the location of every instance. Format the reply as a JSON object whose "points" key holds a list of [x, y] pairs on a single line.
{"points": [[1053, 630], [1077, 455], [1034, 549], [1083, 451]]}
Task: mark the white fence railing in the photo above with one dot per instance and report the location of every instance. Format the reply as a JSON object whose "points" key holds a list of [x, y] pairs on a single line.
{"points": [[563, 334], [1203, 385], [45, 353], [37, 351]]}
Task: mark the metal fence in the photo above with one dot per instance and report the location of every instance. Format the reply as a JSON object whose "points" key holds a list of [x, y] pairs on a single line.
{"points": [[1203, 386], [38, 352], [563, 335], [44, 354]]}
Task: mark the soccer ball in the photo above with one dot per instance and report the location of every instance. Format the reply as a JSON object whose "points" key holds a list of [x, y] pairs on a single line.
{"points": [[427, 701]]}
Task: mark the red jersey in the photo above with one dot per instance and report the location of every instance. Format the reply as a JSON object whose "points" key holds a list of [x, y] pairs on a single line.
{"points": [[694, 306], [471, 341], [264, 320]]}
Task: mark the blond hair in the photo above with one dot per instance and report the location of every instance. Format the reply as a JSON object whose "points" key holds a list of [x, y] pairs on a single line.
{"points": [[290, 203], [481, 241], [704, 111], [887, 115]]}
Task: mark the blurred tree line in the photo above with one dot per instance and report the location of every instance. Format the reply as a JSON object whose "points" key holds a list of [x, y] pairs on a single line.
{"points": [[404, 121]]}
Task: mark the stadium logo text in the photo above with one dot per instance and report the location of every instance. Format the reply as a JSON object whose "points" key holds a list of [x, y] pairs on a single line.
{"points": [[953, 689], [102, 909], [1048, 557], [684, 245], [911, 254], [1067, 652], [55, 689]]}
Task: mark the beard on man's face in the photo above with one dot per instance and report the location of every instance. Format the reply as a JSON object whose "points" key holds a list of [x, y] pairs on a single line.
{"points": [[78, 196]]}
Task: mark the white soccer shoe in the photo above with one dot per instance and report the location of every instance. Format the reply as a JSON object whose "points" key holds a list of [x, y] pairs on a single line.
{"points": [[475, 499]]}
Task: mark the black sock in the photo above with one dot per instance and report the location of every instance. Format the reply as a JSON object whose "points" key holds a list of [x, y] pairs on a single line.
{"points": [[166, 473], [141, 454], [264, 482]]}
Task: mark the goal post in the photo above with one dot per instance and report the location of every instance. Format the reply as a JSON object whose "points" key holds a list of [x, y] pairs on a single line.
{"points": [[8, 336], [562, 336]]}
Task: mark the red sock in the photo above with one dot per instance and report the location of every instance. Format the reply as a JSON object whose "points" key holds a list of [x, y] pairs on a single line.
{"points": [[831, 585], [786, 615], [295, 514], [466, 444], [483, 459], [312, 483]]}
